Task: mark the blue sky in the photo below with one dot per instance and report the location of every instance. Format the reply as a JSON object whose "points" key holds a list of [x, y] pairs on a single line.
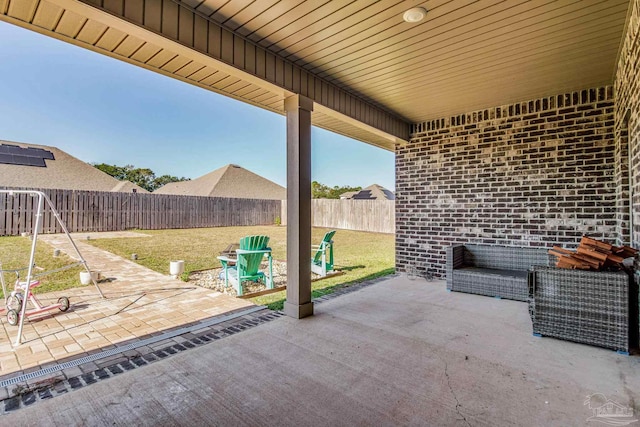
{"points": [[102, 110]]}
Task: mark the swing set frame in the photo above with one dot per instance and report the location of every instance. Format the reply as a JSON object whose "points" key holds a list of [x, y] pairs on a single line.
{"points": [[21, 286]]}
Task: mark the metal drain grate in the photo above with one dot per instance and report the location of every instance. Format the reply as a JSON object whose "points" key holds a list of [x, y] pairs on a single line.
{"points": [[131, 346]]}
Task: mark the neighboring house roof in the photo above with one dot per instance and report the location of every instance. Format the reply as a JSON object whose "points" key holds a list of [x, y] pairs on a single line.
{"points": [[347, 194], [128, 187], [229, 181], [372, 192], [40, 166]]}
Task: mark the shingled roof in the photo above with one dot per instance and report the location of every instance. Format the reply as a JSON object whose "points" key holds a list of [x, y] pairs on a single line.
{"points": [[39, 166], [229, 181], [372, 192]]}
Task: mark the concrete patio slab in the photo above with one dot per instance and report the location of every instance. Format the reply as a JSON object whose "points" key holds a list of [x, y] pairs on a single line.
{"points": [[139, 303], [398, 352]]}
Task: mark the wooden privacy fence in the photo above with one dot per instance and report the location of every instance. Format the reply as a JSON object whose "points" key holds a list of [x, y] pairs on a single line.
{"points": [[83, 211], [365, 215]]}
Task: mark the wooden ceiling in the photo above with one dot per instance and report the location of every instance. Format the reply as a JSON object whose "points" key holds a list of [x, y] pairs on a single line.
{"points": [[464, 55], [371, 72]]}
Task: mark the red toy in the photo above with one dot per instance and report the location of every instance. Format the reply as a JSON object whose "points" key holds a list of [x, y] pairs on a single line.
{"points": [[15, 300]]}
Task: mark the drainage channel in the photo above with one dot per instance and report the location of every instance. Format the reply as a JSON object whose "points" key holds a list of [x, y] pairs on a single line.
{"points": [[24, 395], [131, 346]]}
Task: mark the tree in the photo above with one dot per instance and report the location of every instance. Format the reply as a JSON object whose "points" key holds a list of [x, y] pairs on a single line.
{"points": [[321, 191], [142, 177], [115, 171]]}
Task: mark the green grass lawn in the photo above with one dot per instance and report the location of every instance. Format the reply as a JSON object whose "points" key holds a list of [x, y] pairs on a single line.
{"points": [[360, 255], [14, 253]]}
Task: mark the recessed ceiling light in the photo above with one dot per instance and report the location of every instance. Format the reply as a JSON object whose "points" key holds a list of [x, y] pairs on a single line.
{"points": [[416, 14]]}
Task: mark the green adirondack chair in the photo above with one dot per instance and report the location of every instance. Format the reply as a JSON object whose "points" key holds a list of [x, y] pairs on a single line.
{"points": [[322, 261], [247, 263]]}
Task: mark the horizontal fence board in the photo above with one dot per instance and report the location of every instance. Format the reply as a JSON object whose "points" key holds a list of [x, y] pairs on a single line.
{"points": [[347, 214], [83, 211]]}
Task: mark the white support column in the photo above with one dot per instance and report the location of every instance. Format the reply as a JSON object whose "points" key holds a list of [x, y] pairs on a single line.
{"points": [[298, 304]]}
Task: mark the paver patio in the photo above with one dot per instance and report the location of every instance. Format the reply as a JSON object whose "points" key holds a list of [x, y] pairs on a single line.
{"points": [[139, 303]]}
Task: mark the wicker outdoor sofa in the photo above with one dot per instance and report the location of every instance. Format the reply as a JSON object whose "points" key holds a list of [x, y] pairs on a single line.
{"points": [[497, 271], [589, 307]]}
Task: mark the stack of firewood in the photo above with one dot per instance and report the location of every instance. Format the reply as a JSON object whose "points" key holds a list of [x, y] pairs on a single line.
{"points": [[593, 254]]}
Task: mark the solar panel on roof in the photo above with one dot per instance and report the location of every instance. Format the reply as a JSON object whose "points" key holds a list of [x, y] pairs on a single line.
{"points": [[38, 152], [14, 149], [8, 148], [364, 194], [23, 160], [47, 155], [11, 159], [34, 161], [32, 152], [19, 156]]}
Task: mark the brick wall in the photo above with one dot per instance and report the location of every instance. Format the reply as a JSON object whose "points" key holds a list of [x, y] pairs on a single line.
{"points": [[535, 173], [627, 114]]}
